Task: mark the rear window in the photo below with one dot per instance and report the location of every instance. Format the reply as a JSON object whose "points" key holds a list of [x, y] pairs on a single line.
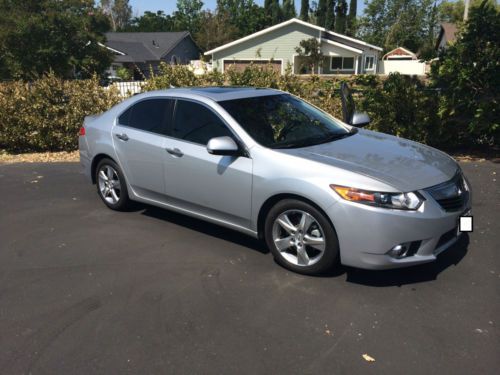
{"points": [[150, 115]]}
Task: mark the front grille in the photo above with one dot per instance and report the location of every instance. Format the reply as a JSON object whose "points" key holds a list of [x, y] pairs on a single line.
{"points": [[451, 195], [452, 204]]}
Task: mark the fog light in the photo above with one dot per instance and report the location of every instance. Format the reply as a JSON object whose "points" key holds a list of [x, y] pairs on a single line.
{"points": [[403, 250], [399, 251]]}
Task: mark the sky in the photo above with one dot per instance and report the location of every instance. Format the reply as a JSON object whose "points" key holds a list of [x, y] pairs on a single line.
{"points": [[168, 6]]}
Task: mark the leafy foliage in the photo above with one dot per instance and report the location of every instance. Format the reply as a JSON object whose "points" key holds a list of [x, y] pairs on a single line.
{"points": [[119, 13], [398, 23], [45, 115], [61, 36], [310, 52], [304, 10], [467, 72]]}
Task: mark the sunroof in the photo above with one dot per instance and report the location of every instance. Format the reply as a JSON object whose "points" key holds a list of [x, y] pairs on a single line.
{"points": [[220, 90]]}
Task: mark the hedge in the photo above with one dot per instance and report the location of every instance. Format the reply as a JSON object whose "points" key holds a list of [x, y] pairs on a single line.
{"points": [[45, 115]]}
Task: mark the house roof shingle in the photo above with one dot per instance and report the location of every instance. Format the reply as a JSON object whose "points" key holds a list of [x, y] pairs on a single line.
{"points": [[141, 47], [448, 33]]}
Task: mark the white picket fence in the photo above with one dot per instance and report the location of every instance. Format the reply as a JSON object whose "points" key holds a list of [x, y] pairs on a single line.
{"points": [[128, 88]]}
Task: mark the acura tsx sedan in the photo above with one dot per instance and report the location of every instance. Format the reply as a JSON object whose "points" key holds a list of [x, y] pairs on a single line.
{"points": [[268, 164]]}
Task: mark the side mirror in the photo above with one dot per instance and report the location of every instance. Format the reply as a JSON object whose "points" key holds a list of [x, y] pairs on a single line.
{"points": [[360, 119], [222, 146]]}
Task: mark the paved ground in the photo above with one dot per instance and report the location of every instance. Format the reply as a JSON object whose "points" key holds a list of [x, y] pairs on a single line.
{"points": [[87, 290]]}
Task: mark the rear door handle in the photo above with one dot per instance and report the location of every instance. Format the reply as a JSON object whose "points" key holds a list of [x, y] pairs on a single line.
{"points": [[123, 137], [175, 152]]}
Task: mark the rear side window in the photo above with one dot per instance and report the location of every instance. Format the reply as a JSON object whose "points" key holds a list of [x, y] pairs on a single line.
{"points": [[151, 115], [196, 123]]}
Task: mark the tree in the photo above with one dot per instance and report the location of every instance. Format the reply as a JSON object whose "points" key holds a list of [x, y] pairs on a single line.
{"points": [[453, 11], [330, 15], [217, 30], [243, 15], [152, 22], [351, 18], [467, 75], [288, 10], [304, 10], [394, 23], [310, 52], [321, 13], [187, 15], [341, 17], [61, 36], [119, 13], [273, 10]]}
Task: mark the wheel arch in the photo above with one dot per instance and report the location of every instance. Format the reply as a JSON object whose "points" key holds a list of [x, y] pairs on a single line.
{"points": [[95, 162], [272, 201]]}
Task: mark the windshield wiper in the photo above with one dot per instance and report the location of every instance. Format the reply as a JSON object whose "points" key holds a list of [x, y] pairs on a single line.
{"points": [[335, 137], [317, 140]]}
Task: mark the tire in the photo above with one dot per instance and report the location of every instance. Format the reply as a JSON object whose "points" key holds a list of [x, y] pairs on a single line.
{"points": [[115, 196], [294, 227]]}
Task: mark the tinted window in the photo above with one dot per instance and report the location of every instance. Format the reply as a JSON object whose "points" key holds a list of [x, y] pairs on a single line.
{"points": [[283, 121], [150, 115], [196, 123]]}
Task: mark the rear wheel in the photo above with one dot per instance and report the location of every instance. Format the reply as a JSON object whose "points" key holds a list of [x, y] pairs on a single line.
{"points": [[301, 238], [111, 185]]}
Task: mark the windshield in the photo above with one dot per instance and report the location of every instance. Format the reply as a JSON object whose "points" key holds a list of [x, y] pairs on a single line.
{"points": [[283, 121]]}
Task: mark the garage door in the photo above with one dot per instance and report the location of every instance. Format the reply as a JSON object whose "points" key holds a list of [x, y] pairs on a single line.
{"points": [[240, 65]]}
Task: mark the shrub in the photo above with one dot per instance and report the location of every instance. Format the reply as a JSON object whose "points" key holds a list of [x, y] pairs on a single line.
{"points": [[45, 115], [468, 73]]}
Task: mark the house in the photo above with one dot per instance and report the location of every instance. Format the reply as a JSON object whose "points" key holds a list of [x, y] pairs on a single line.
{"points": [[140, 52], [403, 61], [447, 35], [276, 46]]}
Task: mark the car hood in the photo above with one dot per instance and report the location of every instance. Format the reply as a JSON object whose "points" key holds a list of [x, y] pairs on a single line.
{"points": [[401, 163]]}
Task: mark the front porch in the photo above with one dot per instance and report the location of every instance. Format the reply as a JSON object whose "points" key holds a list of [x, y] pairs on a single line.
{"points": [[339, 59]]}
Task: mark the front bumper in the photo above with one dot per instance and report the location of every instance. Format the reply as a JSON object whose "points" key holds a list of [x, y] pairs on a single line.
{"points": [[366, 234]]}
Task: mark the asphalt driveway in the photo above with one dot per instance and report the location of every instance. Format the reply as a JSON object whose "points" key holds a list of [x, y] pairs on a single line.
{"points": [[87, 290]]}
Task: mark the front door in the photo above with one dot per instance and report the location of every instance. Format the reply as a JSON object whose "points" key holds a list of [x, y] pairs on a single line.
{"points": [[216, 186]]}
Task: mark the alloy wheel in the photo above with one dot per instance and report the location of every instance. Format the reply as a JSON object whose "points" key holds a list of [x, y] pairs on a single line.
{"points": [[299, 237], [109, 184]]}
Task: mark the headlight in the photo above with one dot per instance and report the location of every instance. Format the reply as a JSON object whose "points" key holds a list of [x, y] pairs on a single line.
{"points": [[399, 201]]}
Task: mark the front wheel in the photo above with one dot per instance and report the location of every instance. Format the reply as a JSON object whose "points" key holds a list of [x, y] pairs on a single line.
{"points": [[301, 238], [111, 185]]}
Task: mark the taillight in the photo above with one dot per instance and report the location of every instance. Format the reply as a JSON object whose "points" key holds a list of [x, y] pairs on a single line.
{"points": [[82, 131]]}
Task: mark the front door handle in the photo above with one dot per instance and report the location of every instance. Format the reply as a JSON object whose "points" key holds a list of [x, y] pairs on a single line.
{"points": [[175, 152], [123, 137]]}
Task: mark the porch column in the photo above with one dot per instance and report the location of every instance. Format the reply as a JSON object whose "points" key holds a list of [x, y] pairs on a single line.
{"points": [[356, 59]]}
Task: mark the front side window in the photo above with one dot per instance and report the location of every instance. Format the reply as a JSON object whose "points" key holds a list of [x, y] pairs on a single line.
{"points": [[149, 115], [196, 123], [342, 63], [283, 121], [369, 60]]}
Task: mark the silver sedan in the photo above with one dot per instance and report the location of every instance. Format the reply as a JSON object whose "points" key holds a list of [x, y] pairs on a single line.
{"points": [[273, 166]]}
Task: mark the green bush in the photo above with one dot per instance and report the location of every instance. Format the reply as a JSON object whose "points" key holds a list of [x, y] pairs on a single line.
{"points": [[46, 115]]}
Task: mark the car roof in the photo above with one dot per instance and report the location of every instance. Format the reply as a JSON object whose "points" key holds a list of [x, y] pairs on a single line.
{"points": [[221, 93]]}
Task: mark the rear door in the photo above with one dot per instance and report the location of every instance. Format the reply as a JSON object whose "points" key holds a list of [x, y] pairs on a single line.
{"points": [[213, 185], [139, 138]]}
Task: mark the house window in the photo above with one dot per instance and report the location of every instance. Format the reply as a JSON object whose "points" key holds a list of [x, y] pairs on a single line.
{"points": [[342, 63], [369, 62]]}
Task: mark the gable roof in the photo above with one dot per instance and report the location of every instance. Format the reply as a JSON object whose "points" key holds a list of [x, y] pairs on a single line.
{"points": [[286, 23], [399, 52], [143, 46]]}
